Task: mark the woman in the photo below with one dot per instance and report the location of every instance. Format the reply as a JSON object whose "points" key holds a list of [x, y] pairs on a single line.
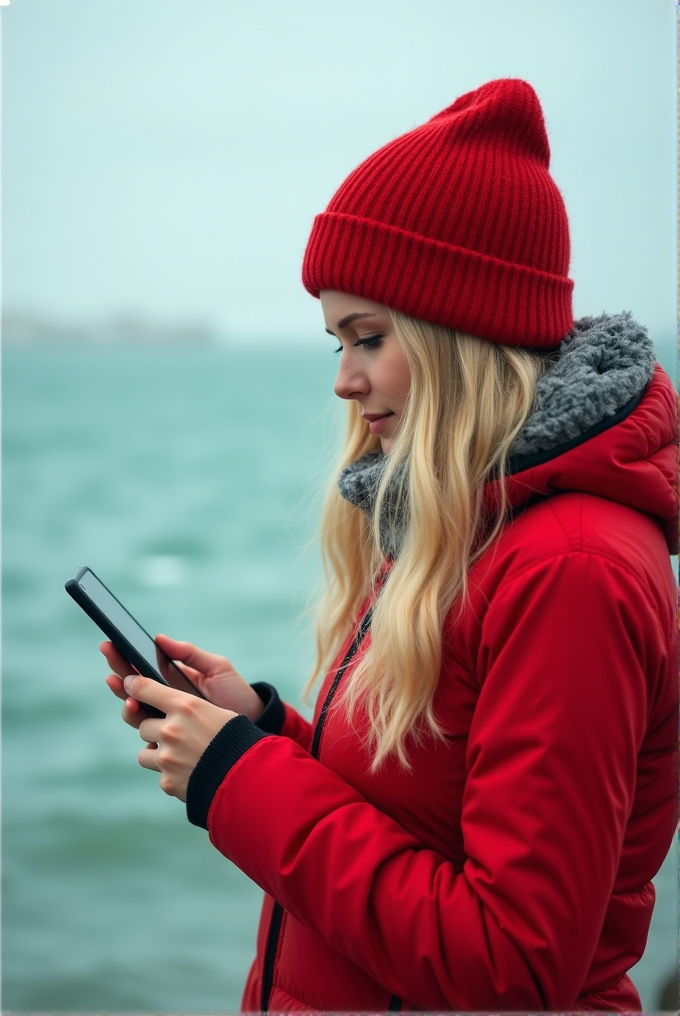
{"points": [[489, 784]]}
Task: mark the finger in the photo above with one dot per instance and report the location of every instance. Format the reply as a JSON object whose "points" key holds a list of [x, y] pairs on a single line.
{"points": [[115, 683], [133, 714], [116, 660], [175, 649], [145, 690], [193, 675], [147, 759], [150, 730], [185, 652], [133, 711]]}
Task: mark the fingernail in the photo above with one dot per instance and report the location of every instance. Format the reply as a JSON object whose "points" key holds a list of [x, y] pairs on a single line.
{"points": [[127, 682]]}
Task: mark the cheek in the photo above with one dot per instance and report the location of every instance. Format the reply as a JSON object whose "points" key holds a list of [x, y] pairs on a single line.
{"points": [[398, 378]]}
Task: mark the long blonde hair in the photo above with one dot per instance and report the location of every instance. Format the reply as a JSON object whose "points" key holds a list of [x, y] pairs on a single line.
{"points": [[467, 401]]}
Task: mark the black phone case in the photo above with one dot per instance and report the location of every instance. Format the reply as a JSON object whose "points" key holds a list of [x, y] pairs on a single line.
{"points": [[119, 641]]}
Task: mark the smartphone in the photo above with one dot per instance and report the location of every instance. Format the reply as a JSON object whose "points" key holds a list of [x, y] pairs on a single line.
{"points": [[127, 635]]}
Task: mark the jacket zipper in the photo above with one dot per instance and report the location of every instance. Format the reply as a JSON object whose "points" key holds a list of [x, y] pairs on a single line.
{"points": [[277, 912]]}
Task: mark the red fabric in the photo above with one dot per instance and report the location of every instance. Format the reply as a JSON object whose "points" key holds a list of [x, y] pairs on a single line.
{"points": [[510, 869], [457, 222]]}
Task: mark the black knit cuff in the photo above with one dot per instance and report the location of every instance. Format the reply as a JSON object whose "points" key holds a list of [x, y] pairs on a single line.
{"points": [[273, 716], [225, 749]]}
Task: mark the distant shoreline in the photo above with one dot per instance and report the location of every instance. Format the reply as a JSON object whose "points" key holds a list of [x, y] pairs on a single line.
{"points": [[23, 331]]}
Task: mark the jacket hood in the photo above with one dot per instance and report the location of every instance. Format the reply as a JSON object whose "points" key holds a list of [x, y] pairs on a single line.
{"points": [[604, 422]]}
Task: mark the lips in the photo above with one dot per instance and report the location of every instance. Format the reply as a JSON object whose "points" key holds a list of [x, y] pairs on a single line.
{"points": [[378, 423]]}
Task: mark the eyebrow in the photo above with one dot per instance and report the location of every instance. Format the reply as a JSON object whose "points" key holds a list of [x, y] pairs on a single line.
{"points": [[348, 318]]}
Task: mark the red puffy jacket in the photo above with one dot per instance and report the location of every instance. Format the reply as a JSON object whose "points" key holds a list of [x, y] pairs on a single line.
{"points": [[510, 869]]}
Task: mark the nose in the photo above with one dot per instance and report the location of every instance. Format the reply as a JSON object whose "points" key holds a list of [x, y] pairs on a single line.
{"points": [[351, 381]]}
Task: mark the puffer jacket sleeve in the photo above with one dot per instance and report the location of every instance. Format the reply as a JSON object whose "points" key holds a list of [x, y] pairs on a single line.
{"points": [[571, 656], [296, 727]]}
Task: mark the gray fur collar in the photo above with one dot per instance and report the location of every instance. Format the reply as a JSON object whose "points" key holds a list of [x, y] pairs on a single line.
{"points": [[602, 366], [359, 484]]}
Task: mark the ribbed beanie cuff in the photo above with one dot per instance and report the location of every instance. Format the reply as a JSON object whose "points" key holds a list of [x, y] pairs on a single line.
{"points": [[484, 296], [458, 222]]}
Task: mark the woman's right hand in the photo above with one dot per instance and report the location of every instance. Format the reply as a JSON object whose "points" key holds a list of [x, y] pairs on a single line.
{"points": [[213, 675]]}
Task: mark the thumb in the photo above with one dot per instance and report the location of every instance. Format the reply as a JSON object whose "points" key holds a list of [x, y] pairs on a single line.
{"points": [[175, 649], [144, 689], [189, 654]]}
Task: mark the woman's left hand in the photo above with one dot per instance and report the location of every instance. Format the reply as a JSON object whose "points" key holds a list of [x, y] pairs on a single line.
{"points": [[176, 742]]}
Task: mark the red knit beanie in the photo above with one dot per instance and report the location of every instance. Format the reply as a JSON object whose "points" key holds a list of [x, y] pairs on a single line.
{"points": [[457, 222]]}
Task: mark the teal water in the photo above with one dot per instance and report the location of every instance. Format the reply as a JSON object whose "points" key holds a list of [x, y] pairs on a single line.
{"points": [[188, 480]]}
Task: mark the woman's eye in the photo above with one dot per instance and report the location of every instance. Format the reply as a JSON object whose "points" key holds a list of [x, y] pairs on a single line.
{"points": [[372, 342]]}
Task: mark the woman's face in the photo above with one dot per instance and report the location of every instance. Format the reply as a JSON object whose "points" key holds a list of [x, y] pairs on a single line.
{"points": [[373, 368]]}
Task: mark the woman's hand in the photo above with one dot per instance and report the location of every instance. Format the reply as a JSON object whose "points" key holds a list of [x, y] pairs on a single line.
{"points": [[213, 675], [176, 742]]}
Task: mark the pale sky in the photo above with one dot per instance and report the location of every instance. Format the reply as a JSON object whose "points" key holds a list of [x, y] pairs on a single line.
{"points": [[166, 157]]}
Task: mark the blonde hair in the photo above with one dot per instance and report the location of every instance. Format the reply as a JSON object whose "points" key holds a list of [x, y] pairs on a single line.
{"points": [[467, 401]]}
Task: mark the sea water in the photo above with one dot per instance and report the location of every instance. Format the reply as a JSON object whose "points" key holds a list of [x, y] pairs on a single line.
{"points": [[189, 480]]}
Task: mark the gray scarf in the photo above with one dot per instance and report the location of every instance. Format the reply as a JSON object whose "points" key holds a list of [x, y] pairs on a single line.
{"points": [[601, 371]]}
